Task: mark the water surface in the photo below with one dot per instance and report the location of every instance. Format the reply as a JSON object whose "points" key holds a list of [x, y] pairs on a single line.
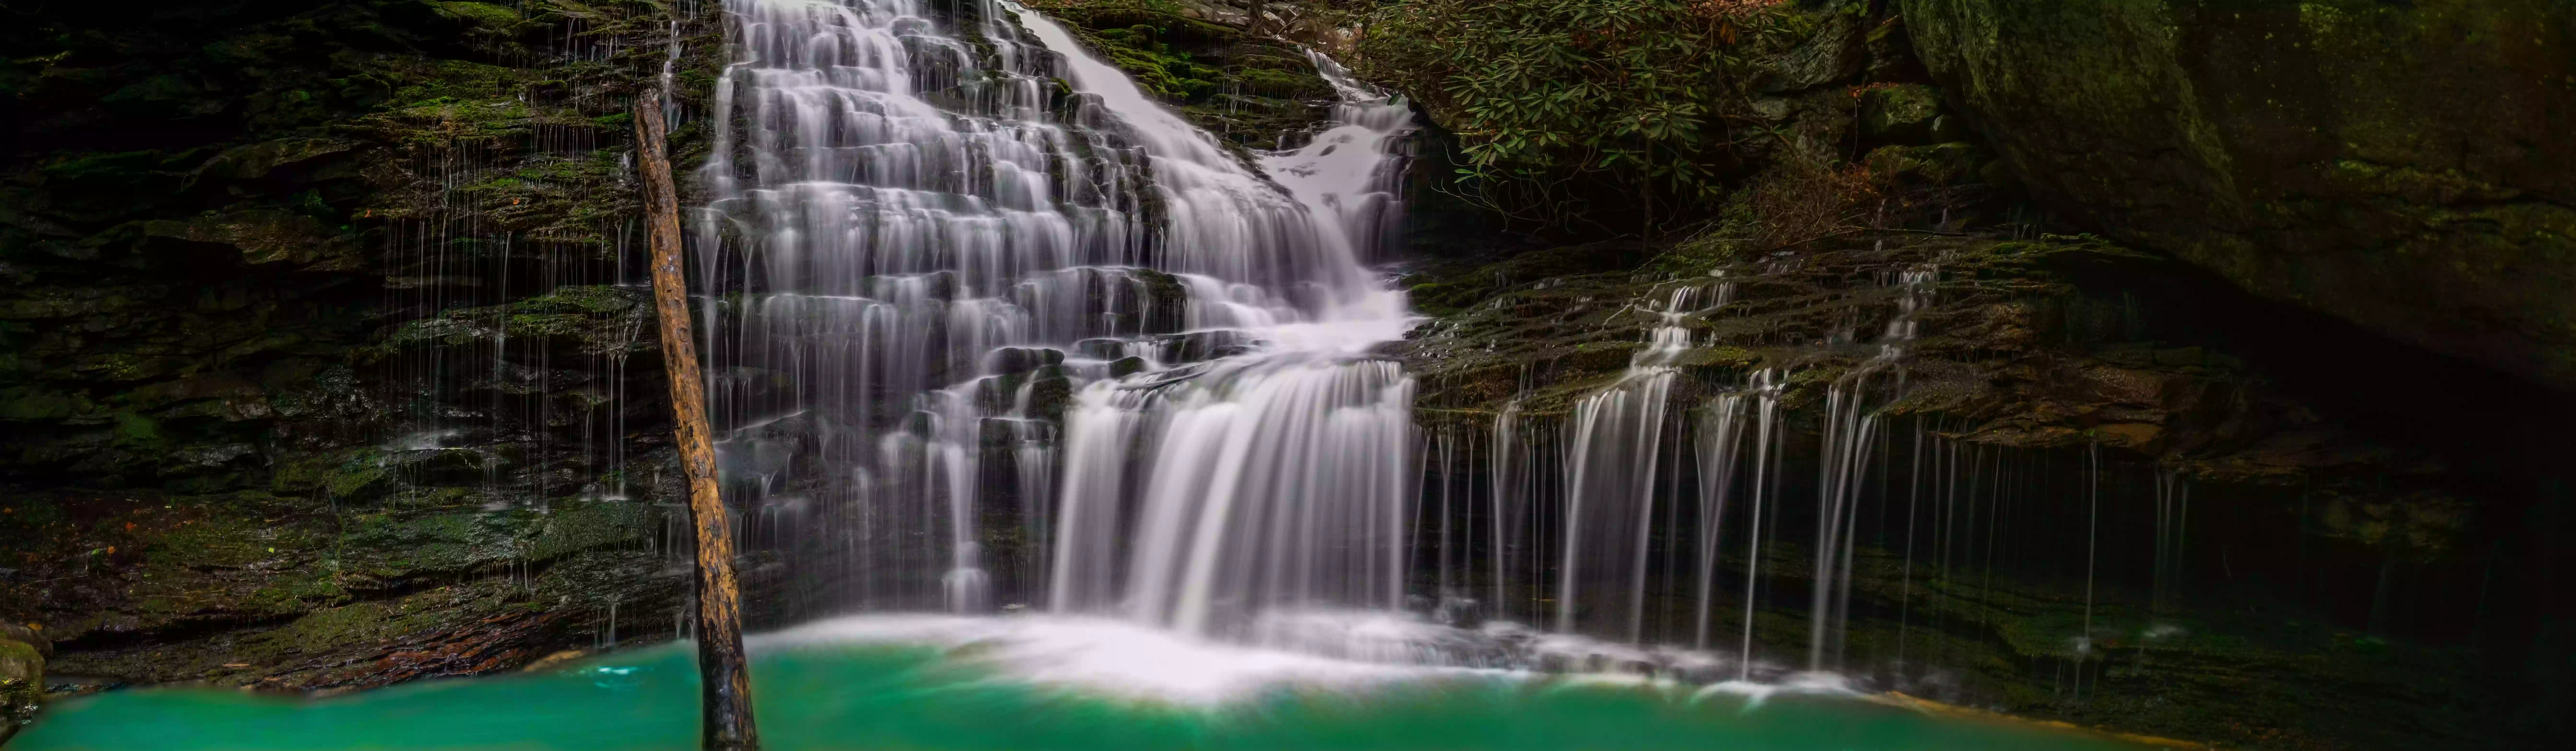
{"points": [[956, 683]]}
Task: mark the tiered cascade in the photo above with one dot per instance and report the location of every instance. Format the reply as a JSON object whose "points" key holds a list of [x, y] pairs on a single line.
{"points": [[954, 292]]}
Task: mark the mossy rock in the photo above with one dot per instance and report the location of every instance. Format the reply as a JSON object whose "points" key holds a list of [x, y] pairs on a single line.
{"points": [[19, 661], [22, 684], [2403, 166], [349, 474], [583, 525], [1939, 165], [1907, 114]]}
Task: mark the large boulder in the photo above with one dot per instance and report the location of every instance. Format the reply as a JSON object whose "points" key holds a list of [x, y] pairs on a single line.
{"points": [[2403, 165], [22, 675], [19, 661]]}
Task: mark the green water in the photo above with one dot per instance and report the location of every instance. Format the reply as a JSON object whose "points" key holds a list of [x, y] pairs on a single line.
{"points": [[846, 696]]}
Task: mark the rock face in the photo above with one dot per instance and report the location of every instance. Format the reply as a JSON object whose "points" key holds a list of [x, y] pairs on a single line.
{"points": [[2400, 165], [314, 347]]}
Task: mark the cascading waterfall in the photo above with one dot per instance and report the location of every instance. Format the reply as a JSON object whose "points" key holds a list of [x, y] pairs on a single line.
{"points": [[1342, 175], [966, 305], [1276, 477], [931, 259]]}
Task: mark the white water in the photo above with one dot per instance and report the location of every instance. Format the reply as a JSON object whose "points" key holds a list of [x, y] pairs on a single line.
{"points": [[958, 307], [1336, 649], [1279, 477], [1111, 655], [927, 255], [1619, 440]]}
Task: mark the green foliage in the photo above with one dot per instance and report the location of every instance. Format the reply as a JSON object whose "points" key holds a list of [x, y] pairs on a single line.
{"points": [[1641, 93]]}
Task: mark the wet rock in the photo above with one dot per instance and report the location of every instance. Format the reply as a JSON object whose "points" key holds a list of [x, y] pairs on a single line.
{"points": [[1100, 349], [1460, 613], [1010, 360], [27, 635], [1197, 346], [1050, 391], [19, 661], [22, 684], [556, 661]]}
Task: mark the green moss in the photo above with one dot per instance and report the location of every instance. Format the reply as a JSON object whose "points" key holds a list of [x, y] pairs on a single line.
{"points": [[586, 320], [1282, 84], [137, 429], [213, 541], [487, 15], [348, 474], [39, 403], [583, 525], [1907, 113], [1248, 90], [438, 542], [21, 661]]}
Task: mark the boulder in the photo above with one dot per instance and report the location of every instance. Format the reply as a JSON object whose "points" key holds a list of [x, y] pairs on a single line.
{"points": [[31, 637], [2403, 166], [19, 661], [22, 682], [1906, 114]]}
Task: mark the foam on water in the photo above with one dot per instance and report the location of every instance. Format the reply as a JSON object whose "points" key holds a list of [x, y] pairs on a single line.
{"points": [[1110, 656]]}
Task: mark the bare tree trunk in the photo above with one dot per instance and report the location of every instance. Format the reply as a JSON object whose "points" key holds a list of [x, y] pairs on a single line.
{"points": [[721, 670]]}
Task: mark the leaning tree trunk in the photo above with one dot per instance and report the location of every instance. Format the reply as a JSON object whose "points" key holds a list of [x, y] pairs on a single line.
{"points": [[721, 670]]}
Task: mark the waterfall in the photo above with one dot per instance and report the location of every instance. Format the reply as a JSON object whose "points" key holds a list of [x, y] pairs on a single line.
{"points": [[1721, 441], [1277, 477], [1016, 334], [1651, 491], [1850, 431], [963, 304], [2173, 516], [1765, 488], [1616, 443], [1509, 496], [1343, 174]]}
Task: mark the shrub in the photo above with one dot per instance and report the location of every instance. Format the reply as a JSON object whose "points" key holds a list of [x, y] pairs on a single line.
{"points": [[1557, 102]]}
